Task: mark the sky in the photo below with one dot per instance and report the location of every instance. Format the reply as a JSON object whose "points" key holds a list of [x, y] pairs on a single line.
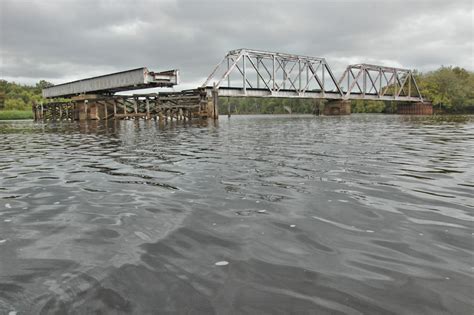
{"points": [[63, 40]]}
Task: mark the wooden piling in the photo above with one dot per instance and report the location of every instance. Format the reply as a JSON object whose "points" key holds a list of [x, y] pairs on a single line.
{"points": [[147, 108]]}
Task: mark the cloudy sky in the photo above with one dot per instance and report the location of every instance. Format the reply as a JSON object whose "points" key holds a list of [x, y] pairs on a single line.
{"points": [[61, 40]]}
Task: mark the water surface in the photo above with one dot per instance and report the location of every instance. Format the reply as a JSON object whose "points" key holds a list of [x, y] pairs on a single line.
{"points": [[365, 214]]}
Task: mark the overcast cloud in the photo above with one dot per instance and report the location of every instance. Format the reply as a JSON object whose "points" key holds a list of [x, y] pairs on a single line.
{"points": [[70, 39]]}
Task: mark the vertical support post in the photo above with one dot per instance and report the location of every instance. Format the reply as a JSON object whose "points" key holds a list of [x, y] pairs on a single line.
{"points": [[380, 82], [42, 110], [258, 74], [215, 101], [124, 107], [85, 109], [105, 111], [410, 76], [67, 111], [299, 75], [60, 112], [135, 105], [273, 71], [115, 109], [395, 80], [348, 82], [244, 75], [322, 76], [364, 81], [307, 73], [228, 68], [283, 66], [147, 108]]}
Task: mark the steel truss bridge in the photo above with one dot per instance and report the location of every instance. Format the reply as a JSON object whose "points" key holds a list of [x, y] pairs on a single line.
{"points": [[241, 73], [254, 73]]}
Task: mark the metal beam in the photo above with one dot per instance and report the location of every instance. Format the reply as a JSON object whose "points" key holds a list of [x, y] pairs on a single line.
{"points": [[254, 69], [140, 78]]}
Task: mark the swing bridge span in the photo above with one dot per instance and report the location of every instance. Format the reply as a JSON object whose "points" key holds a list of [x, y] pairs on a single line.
{"points": [[246, 72], [241, 73]]}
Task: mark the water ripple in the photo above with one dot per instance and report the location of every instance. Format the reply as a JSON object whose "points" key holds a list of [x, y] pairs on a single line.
{"points": [[367, 214]]}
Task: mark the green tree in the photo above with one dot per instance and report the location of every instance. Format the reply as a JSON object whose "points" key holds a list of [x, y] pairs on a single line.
{"points": [[452, 89]]}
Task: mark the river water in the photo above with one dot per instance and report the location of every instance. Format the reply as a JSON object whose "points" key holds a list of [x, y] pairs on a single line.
{"points": [[363, 214]]}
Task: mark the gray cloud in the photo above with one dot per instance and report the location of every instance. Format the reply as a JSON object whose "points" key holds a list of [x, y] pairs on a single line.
{"points": [[69, 39]]}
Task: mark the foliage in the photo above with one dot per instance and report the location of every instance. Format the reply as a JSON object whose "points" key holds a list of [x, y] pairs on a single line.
{"points": [[367, 106], [15, 114], [21, 97], [251, 105], [450, 89]]}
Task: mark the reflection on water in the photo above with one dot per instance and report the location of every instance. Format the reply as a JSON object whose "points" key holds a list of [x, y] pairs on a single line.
{"points": [[363, 214]]}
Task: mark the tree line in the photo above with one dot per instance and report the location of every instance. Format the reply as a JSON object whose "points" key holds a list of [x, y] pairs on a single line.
{"points": [[15, 96], [450, 89]]}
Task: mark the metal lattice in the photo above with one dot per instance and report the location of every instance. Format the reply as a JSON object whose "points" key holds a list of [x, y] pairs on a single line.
{"points": [[364, 81], [246, 72]]}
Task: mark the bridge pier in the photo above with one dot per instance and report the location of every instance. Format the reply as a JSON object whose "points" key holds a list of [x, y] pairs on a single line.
{"points": [[334, 108], [213, 104], [86, 108], [420, 108]]}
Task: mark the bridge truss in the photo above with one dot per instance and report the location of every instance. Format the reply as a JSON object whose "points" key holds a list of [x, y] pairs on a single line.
{"points": [[364, 81], [255, 73]]}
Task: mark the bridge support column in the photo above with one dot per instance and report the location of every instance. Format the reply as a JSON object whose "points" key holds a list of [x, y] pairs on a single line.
{"points": [[420, 108], [213, 105], [85, 107], [332, 108]]}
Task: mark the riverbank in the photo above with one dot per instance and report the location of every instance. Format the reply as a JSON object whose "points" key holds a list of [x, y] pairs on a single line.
{"points": [[15, 114]]}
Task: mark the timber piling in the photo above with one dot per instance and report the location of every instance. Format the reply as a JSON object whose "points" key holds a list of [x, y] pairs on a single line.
{"points": [[167, 106]]}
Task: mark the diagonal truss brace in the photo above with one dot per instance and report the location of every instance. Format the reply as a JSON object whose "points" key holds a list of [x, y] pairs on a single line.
{"points": [[246, 72], [271, 69], [384, 82]]}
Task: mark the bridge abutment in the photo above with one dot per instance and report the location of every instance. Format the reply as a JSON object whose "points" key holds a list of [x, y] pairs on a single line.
{"points": [[420, 108], [334, 108]]}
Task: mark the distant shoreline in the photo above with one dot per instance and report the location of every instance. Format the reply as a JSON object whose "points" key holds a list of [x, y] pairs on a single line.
{"points": [[15, 114], [6, 115]]}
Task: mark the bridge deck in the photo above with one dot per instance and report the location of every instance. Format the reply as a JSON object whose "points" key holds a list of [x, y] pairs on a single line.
{"points": [[329, 95], [134, 79]]}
